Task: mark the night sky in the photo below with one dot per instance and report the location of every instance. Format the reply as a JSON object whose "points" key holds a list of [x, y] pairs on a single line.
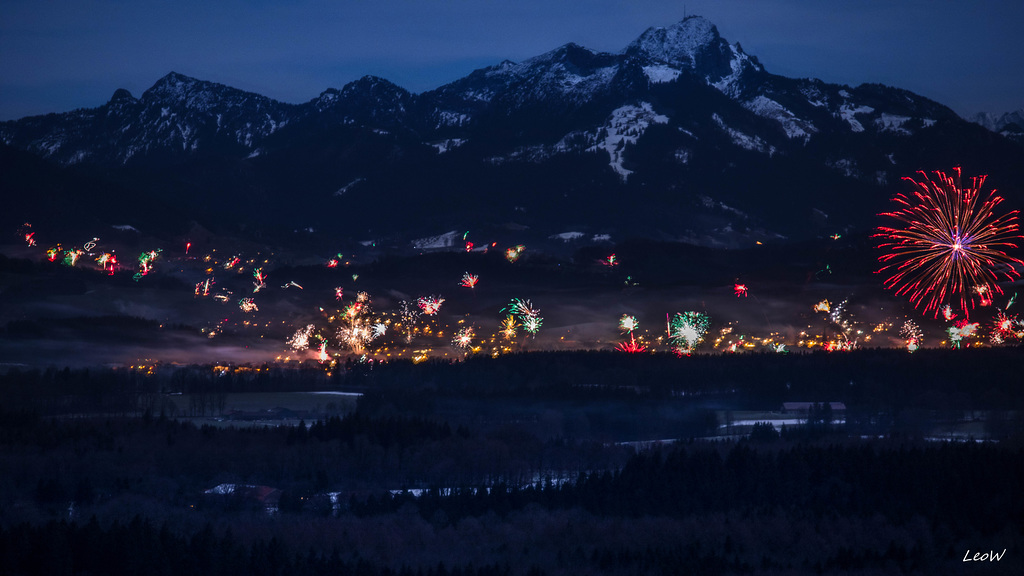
{"points": [[60, 55]]}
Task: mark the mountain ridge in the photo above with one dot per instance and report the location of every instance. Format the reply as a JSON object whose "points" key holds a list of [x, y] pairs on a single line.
{"points": [[679, 119]]}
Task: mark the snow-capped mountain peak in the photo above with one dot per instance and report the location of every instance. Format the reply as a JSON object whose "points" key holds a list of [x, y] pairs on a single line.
{"points": [[680, 43]]}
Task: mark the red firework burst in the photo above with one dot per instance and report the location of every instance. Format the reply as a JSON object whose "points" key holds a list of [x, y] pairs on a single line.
{"points": [[632, 347], [950, 245]]}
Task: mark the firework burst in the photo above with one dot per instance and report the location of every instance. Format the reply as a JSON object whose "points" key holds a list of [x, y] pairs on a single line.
{"points": [[508, 327], [961, 330], [687, 330], [632, 346], [300, 340], [950, 244], [512, 254], [464, 337], [430, 305], [469, 280], [628, 323], [911, 332]]}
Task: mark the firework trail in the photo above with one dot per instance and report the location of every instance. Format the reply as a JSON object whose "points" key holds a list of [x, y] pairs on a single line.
{"points": [[322, 356], [686, 331], [949, 241], [469, 280], [88, 246], [911, 332], [290, 284], [430, 305]]}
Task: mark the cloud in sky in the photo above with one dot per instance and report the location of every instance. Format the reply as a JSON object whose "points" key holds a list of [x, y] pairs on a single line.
{"points": [[60, 55]]}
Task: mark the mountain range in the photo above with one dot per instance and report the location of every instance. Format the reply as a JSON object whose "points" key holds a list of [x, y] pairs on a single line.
{"points": [[680, 136]]}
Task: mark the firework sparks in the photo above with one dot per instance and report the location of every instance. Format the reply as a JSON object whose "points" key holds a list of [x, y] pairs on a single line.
{"points": [[248, 305], [740, 290], [911, 332], [469, 280], [203, 288], [107, 259], [525, 313], [823, 306], [610, 260], [300, 340], [950, 240], [408, 313], [687, 330], [430, 305], [339, 293], [146, 263], [984, 295]]}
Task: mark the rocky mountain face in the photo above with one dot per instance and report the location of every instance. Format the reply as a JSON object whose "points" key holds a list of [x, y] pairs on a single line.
{"points": [[680, 136], [1009, 124]]}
